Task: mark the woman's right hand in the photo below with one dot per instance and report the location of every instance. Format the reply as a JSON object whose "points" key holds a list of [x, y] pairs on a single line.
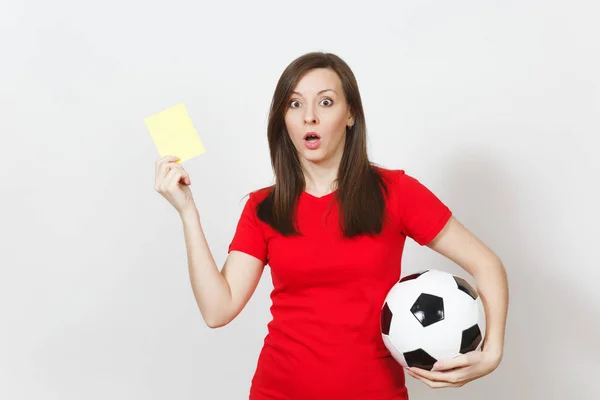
{"points": [[172, 182]]}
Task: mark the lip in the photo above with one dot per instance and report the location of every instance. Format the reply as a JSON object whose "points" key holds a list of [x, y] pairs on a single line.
{"points": [[312, 133], [312, 145]]}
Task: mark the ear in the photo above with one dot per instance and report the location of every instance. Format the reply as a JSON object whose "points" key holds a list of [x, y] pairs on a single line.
{"points": [[350, 121]]}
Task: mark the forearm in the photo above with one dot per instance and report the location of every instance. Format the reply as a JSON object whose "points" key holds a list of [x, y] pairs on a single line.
{"points": [[210, 288], [492, 285]]}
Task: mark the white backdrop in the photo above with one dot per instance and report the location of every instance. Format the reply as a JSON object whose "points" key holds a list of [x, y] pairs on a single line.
{"points": [[493, 105]]}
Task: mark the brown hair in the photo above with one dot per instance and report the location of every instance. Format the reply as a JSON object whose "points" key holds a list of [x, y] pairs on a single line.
{"points": [[359, 195]]}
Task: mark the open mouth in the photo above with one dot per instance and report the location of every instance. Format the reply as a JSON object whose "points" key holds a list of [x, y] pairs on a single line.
{"points": [[312, 140], [311, 137]]}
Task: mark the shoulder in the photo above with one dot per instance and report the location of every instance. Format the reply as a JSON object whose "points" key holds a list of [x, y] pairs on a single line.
{"points": [[391, 176], [401, 184], [399, 178], [258, 195]]}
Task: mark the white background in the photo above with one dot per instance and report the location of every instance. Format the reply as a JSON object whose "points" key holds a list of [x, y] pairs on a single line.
{"points": [[493, 105]]}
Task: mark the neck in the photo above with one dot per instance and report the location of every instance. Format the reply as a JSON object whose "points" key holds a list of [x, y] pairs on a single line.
{"points": [[320, 177]]}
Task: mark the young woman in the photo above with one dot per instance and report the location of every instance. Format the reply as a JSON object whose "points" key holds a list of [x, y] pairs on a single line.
{"points": [[332, 229]]}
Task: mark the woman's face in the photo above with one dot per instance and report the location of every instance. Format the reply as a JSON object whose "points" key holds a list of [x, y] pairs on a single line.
{"points": [[318, 105]]}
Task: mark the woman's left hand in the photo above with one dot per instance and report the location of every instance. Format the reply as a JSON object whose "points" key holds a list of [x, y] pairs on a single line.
{"points": [[457, 371]]}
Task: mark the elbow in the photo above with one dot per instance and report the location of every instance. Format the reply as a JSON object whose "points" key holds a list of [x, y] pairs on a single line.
{"points": [[214, 323], [216, 317]]}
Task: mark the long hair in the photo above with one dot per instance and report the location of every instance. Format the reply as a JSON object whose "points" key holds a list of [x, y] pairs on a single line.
{"points": [[360, 198]]}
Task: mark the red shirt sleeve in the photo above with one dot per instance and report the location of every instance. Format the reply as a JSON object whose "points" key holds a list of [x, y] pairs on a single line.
{"points": [[422, 213], [249, 237]]}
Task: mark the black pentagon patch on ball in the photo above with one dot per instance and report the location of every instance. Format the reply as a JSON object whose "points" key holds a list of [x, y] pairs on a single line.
{"points": [[386, 319], [413, 276], [428, 309], [419, 358], [465, 287], [471, 338]]}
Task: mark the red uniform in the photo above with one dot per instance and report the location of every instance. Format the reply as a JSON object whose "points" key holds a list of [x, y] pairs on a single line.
{"points": [[324, 340]]}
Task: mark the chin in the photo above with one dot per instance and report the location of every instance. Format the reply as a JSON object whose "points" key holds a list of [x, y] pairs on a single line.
{"points": [[315, 157]]}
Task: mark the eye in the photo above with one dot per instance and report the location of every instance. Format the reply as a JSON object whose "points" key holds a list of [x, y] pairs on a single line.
{"points": [[328, 103]]}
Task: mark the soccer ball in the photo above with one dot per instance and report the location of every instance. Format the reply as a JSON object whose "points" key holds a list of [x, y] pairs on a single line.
{"points": [[431, 315]]}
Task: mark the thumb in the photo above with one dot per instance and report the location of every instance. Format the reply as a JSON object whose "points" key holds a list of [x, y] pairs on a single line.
{"points": [[186, 179]]}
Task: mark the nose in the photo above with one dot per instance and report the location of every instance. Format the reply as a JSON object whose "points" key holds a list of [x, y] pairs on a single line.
{"points": [[310, 116]]}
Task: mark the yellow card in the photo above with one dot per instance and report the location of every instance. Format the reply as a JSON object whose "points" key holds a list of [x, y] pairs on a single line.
{"points": [[174, 134]]}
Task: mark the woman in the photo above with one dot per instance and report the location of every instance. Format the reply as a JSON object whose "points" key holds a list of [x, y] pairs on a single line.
{"points": [[332, 229]]}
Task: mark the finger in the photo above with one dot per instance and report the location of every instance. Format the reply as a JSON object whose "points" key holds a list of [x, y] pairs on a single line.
{"points": [[164, 160], [429, 382], [185, 178], [451, 363], [166, 168], [179, 175], [164, 183], [170, 166], [161, 176], [173, 177], [162, 170], [452, 377]]}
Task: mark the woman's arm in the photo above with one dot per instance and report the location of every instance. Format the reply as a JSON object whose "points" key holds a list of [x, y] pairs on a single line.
{"points": [[458, 244], [221, 295]]}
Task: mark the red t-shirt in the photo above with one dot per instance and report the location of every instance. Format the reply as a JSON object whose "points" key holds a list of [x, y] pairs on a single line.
{"points": [[324, 339]]}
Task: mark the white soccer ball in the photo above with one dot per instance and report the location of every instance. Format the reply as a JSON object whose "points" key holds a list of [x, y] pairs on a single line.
{"points": [[429, 316]]}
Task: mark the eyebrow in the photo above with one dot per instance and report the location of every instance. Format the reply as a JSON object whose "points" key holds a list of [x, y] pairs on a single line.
{"points": [[324, 90]]}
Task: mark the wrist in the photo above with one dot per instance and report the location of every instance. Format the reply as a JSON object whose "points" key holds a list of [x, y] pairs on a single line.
{"points": [[189, 212], [494, 352]]}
